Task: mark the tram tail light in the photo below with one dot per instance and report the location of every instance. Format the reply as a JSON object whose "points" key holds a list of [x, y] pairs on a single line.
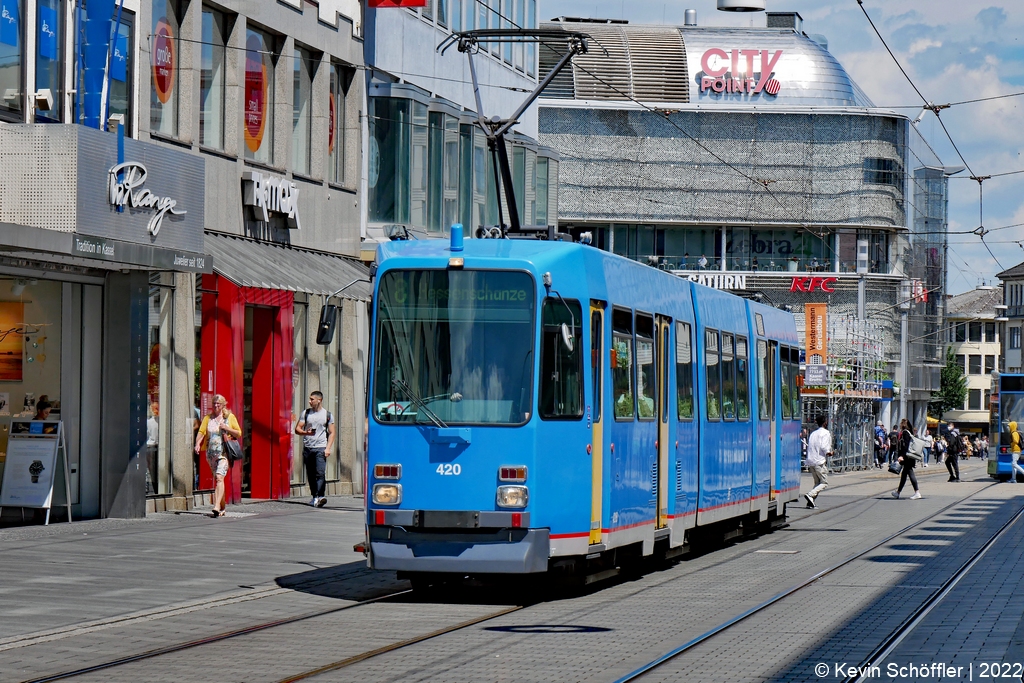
{"points": [[387, 494], [516, 473], [513, 496], [387, 471]]}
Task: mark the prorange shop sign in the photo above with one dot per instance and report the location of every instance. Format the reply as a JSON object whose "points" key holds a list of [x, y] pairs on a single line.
{"points": [[813, 284]]}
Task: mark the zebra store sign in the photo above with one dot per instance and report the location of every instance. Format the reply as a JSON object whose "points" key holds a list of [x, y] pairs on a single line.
{"points": [[733, 71]]}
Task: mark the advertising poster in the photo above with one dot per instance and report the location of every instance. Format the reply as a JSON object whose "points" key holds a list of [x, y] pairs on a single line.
{"points": [[816, 344], [12, 341], [255, 116], [163, 59], [30, 465]]}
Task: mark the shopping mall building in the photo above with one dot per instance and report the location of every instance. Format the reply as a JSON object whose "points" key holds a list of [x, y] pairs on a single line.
{"points": [[747, 159]]}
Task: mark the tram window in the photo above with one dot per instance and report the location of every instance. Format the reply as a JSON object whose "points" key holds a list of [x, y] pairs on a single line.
{"points": [[646, 389], [787, 383], [622, 363], [664, 368], [684, 372], [596, 345], [713, 377], [561, 369], [794, 390], [742, 388], [728, 378], [763, 384]]}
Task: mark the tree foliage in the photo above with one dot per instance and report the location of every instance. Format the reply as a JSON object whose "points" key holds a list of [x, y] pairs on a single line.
{"points": [[952, 388]]}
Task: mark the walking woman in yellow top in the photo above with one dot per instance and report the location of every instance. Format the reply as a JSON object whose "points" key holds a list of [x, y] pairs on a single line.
{"points": [[1015, 445], [218, 425]]}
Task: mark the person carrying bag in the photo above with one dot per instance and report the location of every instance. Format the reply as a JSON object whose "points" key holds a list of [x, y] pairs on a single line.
{"points": [[908, 460]]}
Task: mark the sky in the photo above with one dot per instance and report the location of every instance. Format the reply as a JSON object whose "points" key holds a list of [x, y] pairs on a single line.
{"points": [[953, 50]]}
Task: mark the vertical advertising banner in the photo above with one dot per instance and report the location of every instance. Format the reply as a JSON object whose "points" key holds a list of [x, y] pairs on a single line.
{"points": [[816, 344], [255, 93]]}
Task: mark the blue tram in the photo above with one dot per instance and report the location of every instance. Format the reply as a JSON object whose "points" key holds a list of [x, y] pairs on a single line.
{"points": [[541, 405], [1006, 406]]}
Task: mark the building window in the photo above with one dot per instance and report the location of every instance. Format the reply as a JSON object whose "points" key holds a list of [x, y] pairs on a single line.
{"points": [[303, 66], [990, 333], [211, 80], [974, 364], [258, 114], [974, 399], [12, 43], [961, 332], [442, 13], [540, 214], [341, 80], [531, 48], [961, 360], [990, 364], [389, 162], [974, 333], [163, 101], [456, 15], [49, 53], [122, 69], [882, 172], [1014, 337]]}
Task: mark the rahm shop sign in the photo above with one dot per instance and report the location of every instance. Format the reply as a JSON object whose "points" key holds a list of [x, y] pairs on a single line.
{"points": [[733, 71]]}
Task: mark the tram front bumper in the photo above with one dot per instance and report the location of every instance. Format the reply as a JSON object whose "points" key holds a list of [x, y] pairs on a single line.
{"points": [[486, 551]]}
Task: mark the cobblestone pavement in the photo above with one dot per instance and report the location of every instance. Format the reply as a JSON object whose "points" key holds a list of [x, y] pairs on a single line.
{"points": [[124, 589]]}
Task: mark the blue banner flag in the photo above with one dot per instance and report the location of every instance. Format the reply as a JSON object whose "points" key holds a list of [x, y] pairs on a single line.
{"points": [[119, 60], [10, 22], [47, 32]]}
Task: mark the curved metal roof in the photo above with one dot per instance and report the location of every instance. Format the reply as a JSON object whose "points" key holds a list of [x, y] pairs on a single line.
{"points": [[731, 67]]}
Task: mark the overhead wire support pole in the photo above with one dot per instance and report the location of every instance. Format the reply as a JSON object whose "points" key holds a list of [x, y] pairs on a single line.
{"points": [[495, 129]]}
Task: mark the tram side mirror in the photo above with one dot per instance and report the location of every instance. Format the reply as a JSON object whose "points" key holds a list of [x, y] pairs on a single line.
{"points": [[328, 321], [567, 340]]}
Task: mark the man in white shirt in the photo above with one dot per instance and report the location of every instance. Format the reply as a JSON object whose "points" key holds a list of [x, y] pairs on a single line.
{"points": [[929, 443], [819, 447]]}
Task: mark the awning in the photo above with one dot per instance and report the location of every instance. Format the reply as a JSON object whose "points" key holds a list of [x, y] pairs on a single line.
{"points": [[248, 263]]}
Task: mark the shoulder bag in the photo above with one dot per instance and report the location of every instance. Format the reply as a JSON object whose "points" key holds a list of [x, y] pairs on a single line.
{"points": [[916, 448], [233, 450]]}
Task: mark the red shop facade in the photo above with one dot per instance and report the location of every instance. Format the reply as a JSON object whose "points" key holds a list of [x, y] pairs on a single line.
{"points": [[246, 354]]}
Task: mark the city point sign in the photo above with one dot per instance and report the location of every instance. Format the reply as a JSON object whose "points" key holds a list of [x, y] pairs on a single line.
{"points": [[810, 284], [718, 77]]}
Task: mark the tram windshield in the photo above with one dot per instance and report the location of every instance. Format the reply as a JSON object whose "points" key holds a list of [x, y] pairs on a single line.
{"points": [[454, 346]]}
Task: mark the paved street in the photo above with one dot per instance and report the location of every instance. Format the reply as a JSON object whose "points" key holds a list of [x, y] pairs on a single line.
{"points": [[84, 594]]}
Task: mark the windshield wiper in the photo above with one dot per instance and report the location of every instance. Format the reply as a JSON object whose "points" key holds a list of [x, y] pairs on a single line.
{"points": [[407, 390]]}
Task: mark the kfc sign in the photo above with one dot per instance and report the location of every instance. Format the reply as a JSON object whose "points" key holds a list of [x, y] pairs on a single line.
{"points": [[811, 284], [733, 71]]}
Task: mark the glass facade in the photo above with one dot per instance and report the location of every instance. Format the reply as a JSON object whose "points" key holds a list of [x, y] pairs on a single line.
{"points": [[341, 81], [211, 83], [122, 69], [431, 169], [159, 385]]}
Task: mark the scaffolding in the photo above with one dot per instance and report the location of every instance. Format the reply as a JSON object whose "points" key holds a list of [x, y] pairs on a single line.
{"points": [[856, 368]]}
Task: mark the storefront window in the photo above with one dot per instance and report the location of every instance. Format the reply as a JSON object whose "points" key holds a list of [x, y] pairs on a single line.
{"points": [[211, 83], [258, 95], [49, 53], [158, 422], [330, 384], [11, 59], [163, 101], [303, 67], [541, 213], [341, 79]]}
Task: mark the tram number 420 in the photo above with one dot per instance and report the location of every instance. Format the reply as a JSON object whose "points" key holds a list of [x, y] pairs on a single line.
{"points": [[447, 469]]}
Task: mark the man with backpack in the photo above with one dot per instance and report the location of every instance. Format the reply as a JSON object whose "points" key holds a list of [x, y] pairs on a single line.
{"points": [[316, 427], [880, 444], [954, 449]]}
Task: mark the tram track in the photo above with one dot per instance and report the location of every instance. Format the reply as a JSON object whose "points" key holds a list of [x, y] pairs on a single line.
{"points": [[891, 641]]}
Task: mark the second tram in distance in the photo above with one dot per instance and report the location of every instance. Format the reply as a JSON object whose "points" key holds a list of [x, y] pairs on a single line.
{"points": [[541, 406]]}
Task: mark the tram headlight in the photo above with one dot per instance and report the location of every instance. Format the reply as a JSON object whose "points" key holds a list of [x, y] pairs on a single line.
{"points": [[513, 496], [387, 494]]}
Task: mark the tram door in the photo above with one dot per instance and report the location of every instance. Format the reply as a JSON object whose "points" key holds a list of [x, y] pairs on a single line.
{"points": [[597, 363], [770, 389], [664, 368]]}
